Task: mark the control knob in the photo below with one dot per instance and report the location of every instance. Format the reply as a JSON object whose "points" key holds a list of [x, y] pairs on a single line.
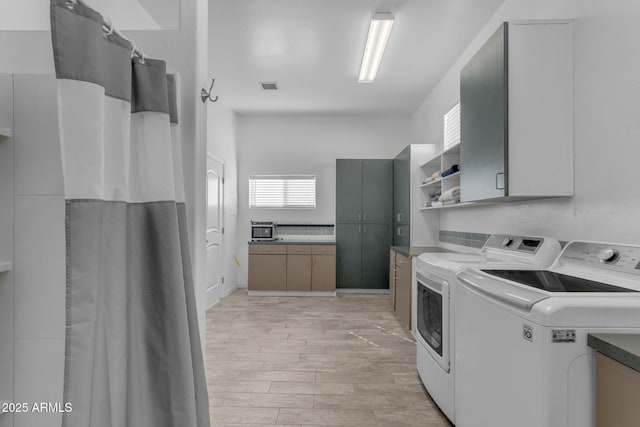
{"points": [[507, 241], [608, 255]]}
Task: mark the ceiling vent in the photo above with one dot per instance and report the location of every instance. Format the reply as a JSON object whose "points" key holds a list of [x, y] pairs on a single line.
{"points": [[269, 85]]}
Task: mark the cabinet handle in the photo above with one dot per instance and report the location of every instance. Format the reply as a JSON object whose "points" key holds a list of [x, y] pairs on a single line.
{"points": [[360, 216], [359, 229], [365, 217], [400, 217], [364, 228], [400, 231], [500, 178]]}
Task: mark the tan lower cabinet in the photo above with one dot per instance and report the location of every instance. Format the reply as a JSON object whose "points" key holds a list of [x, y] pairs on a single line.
{"points": [[298, 272], [617, 389], [292, 267], [403, 290], [323, 273], [267, 272], [392, 278]]}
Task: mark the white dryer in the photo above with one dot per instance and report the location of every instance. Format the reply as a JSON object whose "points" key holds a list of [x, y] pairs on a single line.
{"points": [[521, 336], [434, 290]]}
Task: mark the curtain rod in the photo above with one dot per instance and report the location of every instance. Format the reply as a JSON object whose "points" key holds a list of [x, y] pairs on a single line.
{"points": [[108, 26]]}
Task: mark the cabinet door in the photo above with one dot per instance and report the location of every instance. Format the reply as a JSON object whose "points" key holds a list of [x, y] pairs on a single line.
{"points": [[403, 295], [401, 235], [377, 191], [349, 255], [298, 272], [392, 278], [348, 191], [483, 121], [323, 273], [401, 187], [376, 240], [267, 272]]}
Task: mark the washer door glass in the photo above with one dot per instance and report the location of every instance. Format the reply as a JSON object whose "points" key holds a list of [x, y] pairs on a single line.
{"points": [[430, 315]]}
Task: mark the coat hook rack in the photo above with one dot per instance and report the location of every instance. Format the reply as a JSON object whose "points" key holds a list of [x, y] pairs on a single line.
{"points": [[206, 95]]}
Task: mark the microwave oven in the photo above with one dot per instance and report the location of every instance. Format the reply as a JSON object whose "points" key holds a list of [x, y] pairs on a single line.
{"points": [[262, 230]]}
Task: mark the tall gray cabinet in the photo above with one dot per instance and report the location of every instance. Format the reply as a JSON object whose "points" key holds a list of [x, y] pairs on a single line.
{"points": [[364, 209], [411, 226], [402, 198]]}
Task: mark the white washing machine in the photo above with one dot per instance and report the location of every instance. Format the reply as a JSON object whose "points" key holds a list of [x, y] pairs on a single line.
{"points": [[434, 290], [521, 336]]}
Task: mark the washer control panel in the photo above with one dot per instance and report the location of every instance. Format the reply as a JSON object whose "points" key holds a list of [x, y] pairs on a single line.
{"points": [[524, 244], [602, 255]]}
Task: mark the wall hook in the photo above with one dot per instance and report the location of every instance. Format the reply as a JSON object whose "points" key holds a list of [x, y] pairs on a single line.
{"points": [[204, 95]]}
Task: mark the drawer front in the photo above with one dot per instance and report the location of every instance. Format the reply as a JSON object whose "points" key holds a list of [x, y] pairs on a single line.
{"points": [[299, 249], [403, 262], [323, 249], [268, 249]]}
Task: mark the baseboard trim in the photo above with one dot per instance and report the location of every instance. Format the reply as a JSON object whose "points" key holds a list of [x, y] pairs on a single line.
{"points": [[362, 291], [229, 292], [292, 293]]}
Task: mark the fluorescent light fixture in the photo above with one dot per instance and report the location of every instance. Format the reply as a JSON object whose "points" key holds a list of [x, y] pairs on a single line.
{"points": [[377, 38]]}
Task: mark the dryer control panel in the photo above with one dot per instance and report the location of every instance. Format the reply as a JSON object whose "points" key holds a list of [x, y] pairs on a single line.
{"points": [[621, 258]]}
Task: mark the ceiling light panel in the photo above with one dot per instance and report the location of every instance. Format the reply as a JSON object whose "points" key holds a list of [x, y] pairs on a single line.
{"points": [[377, 38]]}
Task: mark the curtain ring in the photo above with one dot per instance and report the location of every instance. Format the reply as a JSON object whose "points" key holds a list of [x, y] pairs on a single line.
{"points": [[107, 23], [140, 55]]}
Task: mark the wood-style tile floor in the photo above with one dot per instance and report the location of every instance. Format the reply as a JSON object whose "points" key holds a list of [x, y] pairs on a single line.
{"points": [[311, 361]]}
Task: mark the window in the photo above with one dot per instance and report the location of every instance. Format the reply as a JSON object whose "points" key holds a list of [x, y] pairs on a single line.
{"points": [[452, 127], [282, 191]]}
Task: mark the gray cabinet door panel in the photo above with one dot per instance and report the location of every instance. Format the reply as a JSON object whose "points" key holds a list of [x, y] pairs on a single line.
{"points": [[348, 191], [377, 191], [349, 255], [483, 121], [376, 240], [401, 235], [401, 187]]}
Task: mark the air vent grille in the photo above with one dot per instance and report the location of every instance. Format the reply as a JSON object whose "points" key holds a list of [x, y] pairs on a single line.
{"points": [[269, 85]]}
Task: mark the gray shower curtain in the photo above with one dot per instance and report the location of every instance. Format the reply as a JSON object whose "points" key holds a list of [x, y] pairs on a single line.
{"points": [[133, 352]]}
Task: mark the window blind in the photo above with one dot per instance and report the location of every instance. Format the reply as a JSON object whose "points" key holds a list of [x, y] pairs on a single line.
{"points": [[452, 127], [282, 191]]}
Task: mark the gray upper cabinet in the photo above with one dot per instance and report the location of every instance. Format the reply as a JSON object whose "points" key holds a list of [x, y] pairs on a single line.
{"points": [[483, 120], [377, 191], [516, 116], [364, 191], [348, 191]]}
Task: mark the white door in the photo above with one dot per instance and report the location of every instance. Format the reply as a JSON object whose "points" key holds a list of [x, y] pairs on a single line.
{"points": [[215, 203]]}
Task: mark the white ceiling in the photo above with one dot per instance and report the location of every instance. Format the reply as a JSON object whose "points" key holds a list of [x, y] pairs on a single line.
{"points": [[313, 49]]}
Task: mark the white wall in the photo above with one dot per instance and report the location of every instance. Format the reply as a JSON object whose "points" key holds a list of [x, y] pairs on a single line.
{"points": [[222, 143], [307, 144], [606, 127]]}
